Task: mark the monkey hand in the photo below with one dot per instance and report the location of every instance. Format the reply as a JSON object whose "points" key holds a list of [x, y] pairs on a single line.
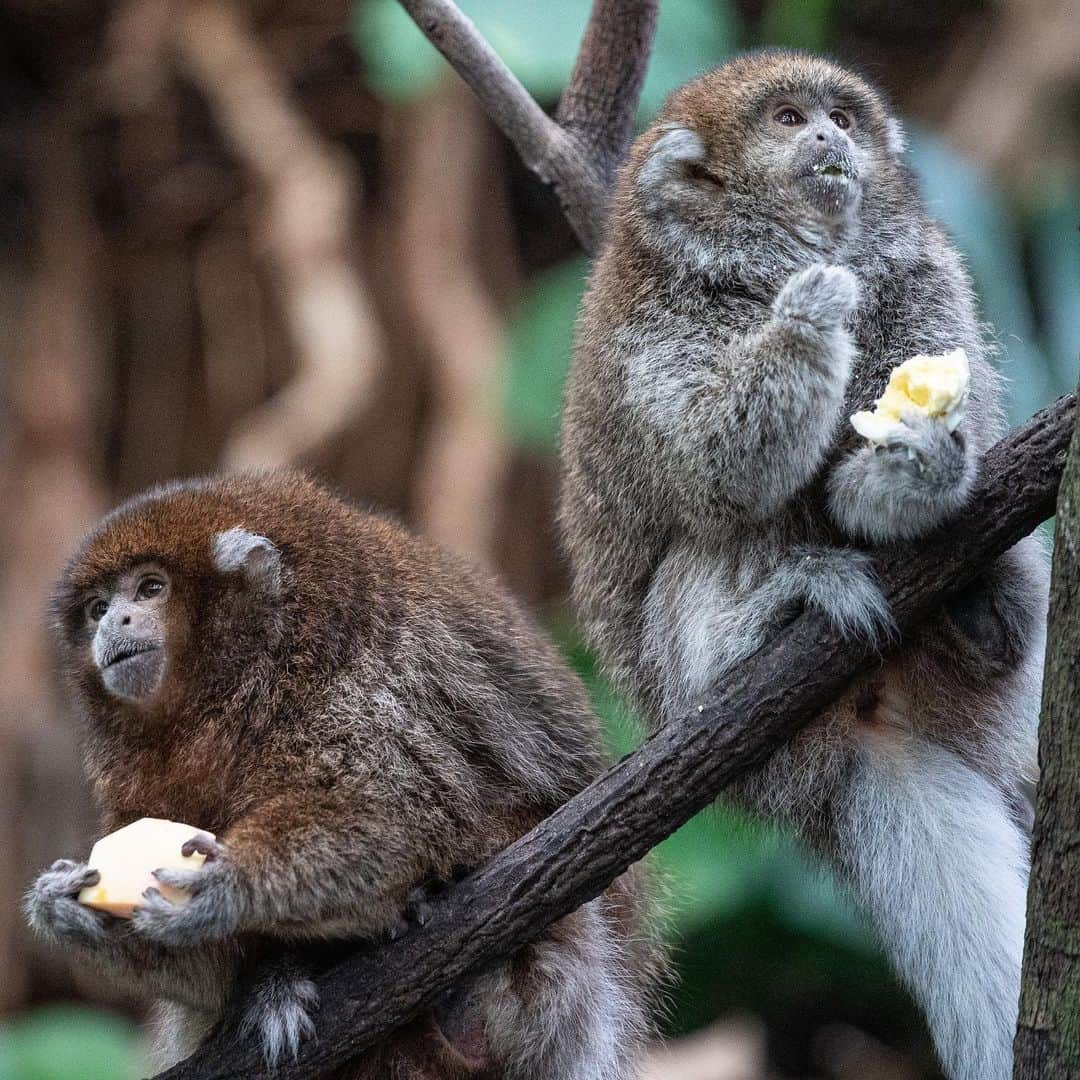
{"points": [[216, 899], [905, 486], [924, 448], [54, 912], [820, 296]]}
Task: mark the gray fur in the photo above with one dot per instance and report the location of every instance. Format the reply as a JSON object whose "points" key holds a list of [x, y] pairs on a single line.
{"points": [[279, 1010], [745, 306]]}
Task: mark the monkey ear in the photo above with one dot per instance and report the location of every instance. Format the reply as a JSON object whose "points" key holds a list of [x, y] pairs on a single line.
{"points": [[676, 148], [895, 136], [239, 551]]}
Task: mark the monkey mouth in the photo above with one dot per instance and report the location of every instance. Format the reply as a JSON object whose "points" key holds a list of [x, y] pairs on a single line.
{"points": [[126, 650], [830, 183], [832, 166]]}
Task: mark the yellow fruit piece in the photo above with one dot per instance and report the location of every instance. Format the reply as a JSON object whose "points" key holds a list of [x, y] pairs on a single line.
{"points": [[127, 858], [935, 386]]}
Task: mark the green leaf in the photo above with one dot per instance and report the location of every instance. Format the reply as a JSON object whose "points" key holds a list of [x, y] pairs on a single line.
{"points": [[1056, 270], [540, 341], [973, 212], [797, 24]]}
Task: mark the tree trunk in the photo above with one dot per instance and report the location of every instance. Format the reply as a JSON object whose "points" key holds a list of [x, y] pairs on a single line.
{"points": [[1048, 1039]]}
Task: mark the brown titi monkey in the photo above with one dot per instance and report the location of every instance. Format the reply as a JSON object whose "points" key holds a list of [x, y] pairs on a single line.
{"points": [[353, 714], [768, 262]]}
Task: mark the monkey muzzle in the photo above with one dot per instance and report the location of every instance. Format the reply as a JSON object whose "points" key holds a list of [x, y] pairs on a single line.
{"points": [[831, 180], [131, 667]]}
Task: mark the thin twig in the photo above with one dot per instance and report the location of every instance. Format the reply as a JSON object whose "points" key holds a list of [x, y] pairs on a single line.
{"points": [[574, 854]]}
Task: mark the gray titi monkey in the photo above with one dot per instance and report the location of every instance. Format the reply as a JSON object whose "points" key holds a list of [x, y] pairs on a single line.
{"points": [[769, 261]]}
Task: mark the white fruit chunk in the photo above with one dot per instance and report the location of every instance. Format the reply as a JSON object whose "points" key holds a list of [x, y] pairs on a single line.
{"points": [[127, 859], [935, 386]]}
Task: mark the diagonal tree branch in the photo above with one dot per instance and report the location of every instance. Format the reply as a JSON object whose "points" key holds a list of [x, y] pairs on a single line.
{"points": [[578, 153], [574, 854]]}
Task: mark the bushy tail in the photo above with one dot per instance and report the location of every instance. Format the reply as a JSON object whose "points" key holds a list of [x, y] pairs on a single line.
{"points": [[936, 858]]}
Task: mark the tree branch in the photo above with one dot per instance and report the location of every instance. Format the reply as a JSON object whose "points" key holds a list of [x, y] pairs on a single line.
{"points": [[574, 854], [600, 101], [578, 154], [1048, 1036]]}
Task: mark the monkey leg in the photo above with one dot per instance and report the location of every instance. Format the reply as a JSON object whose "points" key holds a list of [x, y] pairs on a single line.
{"points": [[934, 854], [560, 1010], [696, 628]]}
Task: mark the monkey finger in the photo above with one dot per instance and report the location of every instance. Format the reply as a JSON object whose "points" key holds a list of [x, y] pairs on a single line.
{"points": [[204, 844], [64, 918], [191, 881], [67, 878]]}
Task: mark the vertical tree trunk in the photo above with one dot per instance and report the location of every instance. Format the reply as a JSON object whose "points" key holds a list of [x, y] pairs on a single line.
{"points": [[1048, 1039]]}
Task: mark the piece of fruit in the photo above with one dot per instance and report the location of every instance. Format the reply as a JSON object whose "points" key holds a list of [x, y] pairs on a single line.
{"points": [[935, 386], [127, 858]]}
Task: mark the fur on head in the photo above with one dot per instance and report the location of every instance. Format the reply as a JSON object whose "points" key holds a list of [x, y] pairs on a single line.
{"points": [[222, 577], [776, 149]]}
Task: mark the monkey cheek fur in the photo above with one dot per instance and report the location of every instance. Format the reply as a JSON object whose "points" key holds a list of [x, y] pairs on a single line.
{"points": [[135, 678]]}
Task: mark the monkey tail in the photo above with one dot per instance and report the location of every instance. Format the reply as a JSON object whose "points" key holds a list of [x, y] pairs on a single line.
{"points": [[938, 861]]}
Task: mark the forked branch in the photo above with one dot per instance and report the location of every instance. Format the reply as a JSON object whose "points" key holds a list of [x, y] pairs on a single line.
{"points": [[578, 152]]}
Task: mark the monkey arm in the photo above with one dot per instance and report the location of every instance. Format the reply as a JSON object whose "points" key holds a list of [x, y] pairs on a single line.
{"points": [[754, 424], [318, 861]]}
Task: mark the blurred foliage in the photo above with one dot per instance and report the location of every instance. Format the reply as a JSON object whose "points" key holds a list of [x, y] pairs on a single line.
{"points": [[539, 43], [797, 24], [68, 1043]]}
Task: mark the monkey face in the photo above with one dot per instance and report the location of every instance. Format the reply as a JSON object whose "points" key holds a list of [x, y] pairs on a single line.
{"points": [[774, 151], [807, 144], [128, 627], [172, 606]]}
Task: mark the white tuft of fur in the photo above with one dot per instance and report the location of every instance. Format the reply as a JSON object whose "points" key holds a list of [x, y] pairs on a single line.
{"points": [[237, 550], [937, 859], [279, 1015], [895, 137]]}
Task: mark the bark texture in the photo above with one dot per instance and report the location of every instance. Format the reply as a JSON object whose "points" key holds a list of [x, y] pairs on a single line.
{"points": [[1048, 1038], [574, 854]]}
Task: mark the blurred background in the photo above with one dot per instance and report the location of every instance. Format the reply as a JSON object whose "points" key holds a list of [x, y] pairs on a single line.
{"points": [[282, 231]]}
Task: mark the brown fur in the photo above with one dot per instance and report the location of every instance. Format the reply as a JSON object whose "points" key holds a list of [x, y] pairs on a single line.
{"points": [[389, 719]]}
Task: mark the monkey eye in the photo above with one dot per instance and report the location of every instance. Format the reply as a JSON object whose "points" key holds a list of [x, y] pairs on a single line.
{"points": [[840, 119], [95, 609], [149, 587], [789, 117]]}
